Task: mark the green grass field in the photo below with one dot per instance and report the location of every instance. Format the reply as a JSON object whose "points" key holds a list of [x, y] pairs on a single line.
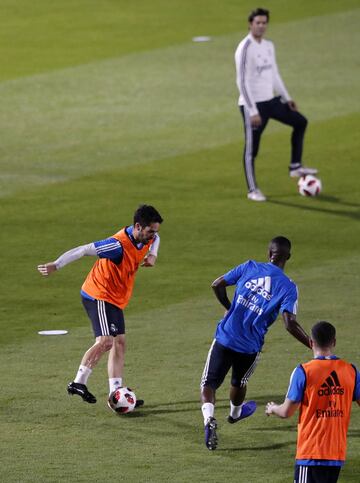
{"points": [[105, 105]]}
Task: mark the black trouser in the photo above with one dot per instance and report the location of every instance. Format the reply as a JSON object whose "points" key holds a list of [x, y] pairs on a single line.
{"points": [[273, 109], [316, 474], [219, 361]]}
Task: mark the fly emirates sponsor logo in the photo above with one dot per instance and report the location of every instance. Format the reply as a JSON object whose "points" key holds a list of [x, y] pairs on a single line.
{"points": [[250, 303], [329, 413]]}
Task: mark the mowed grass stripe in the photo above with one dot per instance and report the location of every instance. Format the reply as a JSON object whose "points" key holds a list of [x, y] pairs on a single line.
{"points": [[42, 37], [163, 103]]}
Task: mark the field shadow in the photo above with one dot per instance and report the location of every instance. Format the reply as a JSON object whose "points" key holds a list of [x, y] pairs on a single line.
{"points": [[336, 199], [257, 448], [144, 413], [263, 400], [337, 212], [195, 405], [285, 428], [174, 403], [165, 408]]}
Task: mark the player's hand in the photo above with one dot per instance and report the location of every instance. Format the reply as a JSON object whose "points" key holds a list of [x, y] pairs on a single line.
{"points": [[47, 269], [292, 105], [255, 121], [149, 261], [269, 408]]}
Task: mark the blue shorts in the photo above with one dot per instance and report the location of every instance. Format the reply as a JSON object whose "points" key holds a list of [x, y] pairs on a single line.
{"points": [[106, 318], [219, 361]]}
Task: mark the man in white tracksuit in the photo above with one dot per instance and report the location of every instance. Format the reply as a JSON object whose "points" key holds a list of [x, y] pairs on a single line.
{"points": [[263, 96]]}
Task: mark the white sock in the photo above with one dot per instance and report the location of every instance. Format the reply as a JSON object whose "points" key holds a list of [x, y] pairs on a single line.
{"points": [[114, 383], [83, 375], [235, 411], [208, 411]]}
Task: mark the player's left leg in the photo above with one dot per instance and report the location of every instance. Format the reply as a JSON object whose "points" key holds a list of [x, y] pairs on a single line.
{"points": [[281, 112], [116, 362], [243, 367]]}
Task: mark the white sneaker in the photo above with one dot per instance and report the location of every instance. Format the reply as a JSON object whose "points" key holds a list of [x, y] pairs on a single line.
{"points": [[301, 171], [256, 195]]}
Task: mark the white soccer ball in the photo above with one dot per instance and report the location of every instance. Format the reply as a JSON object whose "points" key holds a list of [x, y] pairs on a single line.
{"points": [[122, 400], [309, 185]]}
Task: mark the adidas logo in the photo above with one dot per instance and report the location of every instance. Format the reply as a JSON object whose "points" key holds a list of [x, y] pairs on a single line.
{"points": [[331, 386], [261, 286]]}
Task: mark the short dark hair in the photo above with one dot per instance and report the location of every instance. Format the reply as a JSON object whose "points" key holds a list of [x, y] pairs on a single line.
{"points": [[259, 11], [323, 333], [282, 243], [146, 214], [279, 249]]}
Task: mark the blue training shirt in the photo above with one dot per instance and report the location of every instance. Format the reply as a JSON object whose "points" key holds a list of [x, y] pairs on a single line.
{"points": [[296, 392], [262, 291], [111, 247]]}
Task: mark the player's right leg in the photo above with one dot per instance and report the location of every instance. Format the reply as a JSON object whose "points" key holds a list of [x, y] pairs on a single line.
{"points": [[91, 357], [251, 148], [216, 367], [102, 324]]}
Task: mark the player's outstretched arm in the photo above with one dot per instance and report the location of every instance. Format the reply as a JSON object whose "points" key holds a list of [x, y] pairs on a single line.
{"points": [[67, 257], [295, 329], [219, 286], [47, 268], [284, 410]]}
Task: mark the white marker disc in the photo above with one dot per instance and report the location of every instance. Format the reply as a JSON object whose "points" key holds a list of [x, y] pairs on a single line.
{"points": [[202, 38], [53, 332]]}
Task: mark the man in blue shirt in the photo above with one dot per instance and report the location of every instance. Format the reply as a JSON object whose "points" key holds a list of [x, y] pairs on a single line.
{"points": [[262, 291]]}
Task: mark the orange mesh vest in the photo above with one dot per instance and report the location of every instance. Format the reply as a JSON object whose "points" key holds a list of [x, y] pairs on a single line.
{"points": [[114, 283], [325, 409]]}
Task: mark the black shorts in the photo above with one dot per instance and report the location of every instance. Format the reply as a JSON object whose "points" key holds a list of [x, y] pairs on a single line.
{"points": [[219, 361], [316, 474], [106, 318]]}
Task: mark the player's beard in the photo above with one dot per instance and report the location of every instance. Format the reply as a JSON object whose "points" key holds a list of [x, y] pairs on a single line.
{"points": [[144, 239]]}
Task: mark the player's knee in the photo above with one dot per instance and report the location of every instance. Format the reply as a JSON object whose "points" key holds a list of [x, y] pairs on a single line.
{"points": [[237, 382], [207, 393], [301, 122], [105, 343], [119, 343]]}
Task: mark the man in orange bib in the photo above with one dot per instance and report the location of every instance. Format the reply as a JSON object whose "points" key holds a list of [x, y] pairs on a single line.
{"points": [[107, 290], [324, 388]]}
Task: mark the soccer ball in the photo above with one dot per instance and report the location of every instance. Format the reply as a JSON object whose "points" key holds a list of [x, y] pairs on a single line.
{"points": [[309, 185], [122, 400]]}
